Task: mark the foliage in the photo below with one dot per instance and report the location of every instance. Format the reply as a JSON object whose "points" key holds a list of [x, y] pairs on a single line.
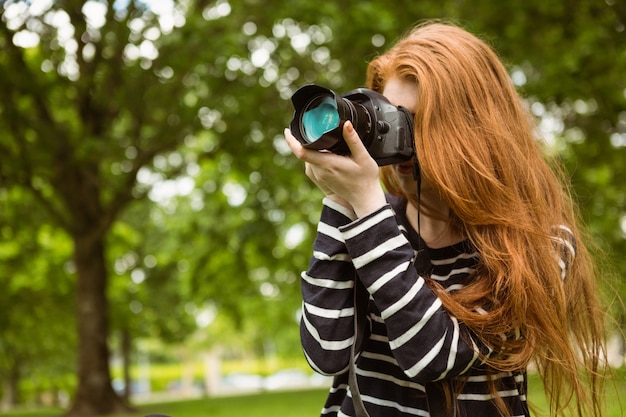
{"points": [[37, 292], [158, 132]]}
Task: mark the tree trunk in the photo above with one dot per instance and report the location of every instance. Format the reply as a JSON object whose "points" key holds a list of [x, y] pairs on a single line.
{"points": [[10, 387], [126, 348], [95, 395]]}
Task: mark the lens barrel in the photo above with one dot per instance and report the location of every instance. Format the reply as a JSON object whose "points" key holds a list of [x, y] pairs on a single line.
{"points": [[319, 118]]}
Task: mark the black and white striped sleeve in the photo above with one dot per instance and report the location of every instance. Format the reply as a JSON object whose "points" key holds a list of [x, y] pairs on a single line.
{"points": [[326, 327]]}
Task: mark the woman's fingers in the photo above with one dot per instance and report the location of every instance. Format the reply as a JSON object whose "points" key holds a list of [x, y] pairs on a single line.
{"points": [[311, 156], [351, 179], [293, 143]]}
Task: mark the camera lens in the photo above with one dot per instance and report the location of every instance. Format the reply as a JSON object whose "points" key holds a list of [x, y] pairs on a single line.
{"points": [[320, 116]]}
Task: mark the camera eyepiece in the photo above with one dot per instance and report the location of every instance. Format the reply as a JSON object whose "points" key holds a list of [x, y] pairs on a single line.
{"points": [[385, 129]]}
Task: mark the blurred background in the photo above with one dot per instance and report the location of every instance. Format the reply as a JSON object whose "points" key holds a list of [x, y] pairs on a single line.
{"points": [[153, 223]]}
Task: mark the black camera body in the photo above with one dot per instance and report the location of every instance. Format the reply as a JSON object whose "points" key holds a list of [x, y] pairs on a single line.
{"points": [[386, 130]]}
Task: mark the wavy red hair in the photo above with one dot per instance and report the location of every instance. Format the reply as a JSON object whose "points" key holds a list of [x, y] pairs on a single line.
{"points": [[476, 143]]}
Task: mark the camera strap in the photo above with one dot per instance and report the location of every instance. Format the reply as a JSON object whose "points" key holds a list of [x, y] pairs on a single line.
{"points": [[359, 334]]}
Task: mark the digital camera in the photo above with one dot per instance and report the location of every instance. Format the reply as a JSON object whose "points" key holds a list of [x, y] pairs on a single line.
{"points": [[386, 130]]}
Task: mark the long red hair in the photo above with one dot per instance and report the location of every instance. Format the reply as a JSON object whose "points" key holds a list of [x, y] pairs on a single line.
{"points": [[476, 143]]}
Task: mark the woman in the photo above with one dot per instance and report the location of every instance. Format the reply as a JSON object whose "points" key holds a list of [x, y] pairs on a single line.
{"points": [[472, 272]]}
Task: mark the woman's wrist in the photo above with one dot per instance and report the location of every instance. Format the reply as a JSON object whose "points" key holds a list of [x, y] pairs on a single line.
{"points": [[339, 200], [369, 203]]}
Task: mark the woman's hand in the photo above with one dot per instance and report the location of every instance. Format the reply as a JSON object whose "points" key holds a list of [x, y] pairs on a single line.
{"points": [[351, 180]]}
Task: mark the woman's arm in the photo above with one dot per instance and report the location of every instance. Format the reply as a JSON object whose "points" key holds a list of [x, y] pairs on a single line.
{"points": [[326, 327]]}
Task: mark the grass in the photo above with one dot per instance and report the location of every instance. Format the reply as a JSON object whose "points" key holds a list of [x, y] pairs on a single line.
{"points": [[309, 403], [270, 404], [285, 404], [615, 393]]}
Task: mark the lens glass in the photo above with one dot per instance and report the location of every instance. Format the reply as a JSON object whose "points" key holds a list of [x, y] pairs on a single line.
{"points": [[322, 116]]}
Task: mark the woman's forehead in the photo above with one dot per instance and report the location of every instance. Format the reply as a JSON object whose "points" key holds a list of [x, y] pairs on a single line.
{"points": [[401, 92]]}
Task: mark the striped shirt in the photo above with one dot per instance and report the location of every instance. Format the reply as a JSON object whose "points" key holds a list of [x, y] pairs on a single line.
{"points": [[411, 340]]}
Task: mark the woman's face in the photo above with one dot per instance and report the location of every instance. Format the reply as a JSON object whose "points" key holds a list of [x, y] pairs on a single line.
{"points": [[403, 93]]}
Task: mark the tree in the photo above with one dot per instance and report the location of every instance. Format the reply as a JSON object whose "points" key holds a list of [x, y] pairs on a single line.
{"points": [[87, 109], [78, 131]]}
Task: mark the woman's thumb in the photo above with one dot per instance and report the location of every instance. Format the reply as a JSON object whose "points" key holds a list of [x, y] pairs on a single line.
{"points": [[354, 142]]}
